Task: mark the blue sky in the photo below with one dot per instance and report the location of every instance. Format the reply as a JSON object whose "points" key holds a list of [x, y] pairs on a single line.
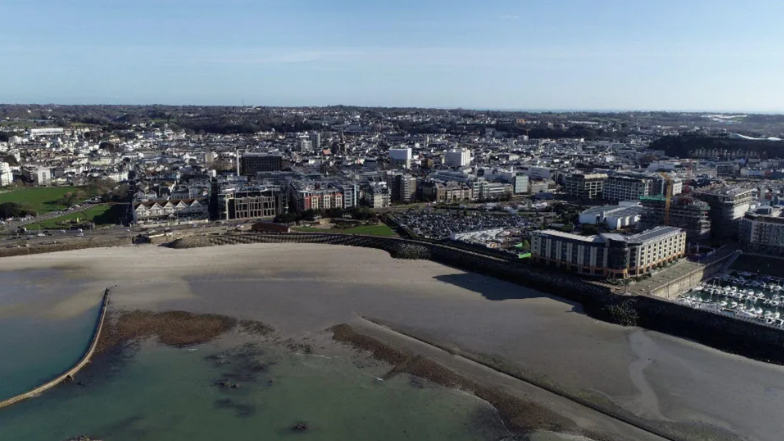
{"points": [[507, 54]]}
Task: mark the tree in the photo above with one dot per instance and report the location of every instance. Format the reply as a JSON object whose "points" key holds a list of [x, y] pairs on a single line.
{"points": [[568, 227], [14, 209], [590, 230]]}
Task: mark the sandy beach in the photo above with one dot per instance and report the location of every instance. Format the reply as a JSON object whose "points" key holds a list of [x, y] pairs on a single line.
{"points": [[302, 290]]}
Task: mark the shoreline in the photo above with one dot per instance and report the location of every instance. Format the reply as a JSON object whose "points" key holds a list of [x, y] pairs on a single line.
{"points": [[302, 290], [724, 333]]}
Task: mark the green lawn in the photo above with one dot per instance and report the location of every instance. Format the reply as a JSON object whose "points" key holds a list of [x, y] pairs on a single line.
{"points": [[41, 200], [100, 215], [370, 230]]}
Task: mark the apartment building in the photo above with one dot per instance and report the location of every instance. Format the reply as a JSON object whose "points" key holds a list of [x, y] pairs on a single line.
{"points": [[350, 192], [585, 186], [728, 205], [6, 175], [170, 212], [314, 196], [762, 231], [626, 188], [376, 195], [457, 158], [609, 255], [402, 187], [686, 213]]}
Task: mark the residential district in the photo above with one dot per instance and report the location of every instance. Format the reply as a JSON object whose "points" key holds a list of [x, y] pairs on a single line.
{"points": [[607, 196]]}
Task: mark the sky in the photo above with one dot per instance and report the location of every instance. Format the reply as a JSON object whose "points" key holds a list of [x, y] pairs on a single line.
{"points": [[695, 55]]}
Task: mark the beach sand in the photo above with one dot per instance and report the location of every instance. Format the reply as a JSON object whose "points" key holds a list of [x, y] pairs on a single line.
{"points": [[303, 289]]}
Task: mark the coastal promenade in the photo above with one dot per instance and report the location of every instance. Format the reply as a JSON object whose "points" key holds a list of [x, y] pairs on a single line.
{"points": [[69, 374]]}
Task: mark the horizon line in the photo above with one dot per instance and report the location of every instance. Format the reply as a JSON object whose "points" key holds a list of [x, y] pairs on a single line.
{"points": [[476, 109]]}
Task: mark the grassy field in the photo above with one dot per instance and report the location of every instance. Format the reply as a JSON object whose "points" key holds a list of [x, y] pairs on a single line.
{"points": [[40, 200], [370, 230], [100, 215]]}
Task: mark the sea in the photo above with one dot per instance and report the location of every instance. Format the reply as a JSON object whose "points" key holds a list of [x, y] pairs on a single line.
{"points": [[153, 392]]}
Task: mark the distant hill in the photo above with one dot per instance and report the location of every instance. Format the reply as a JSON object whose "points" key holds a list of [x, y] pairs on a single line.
{"points": [[683, 146]]}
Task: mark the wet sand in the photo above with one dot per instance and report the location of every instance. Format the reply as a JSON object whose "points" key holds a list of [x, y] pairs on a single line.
{"points": [[301, 290]]}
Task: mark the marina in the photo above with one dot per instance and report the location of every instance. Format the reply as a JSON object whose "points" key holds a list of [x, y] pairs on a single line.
{"points": [[742, 295]]}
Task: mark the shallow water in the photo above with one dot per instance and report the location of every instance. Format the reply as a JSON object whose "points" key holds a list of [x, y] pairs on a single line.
{"points": [[35, 348], [162, 393]]}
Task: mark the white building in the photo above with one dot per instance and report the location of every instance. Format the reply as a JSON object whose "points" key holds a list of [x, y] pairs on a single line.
{"points": [[48, 131], [609, 254], [400, 158], [377, 195], [457, 158], [6, 176], [171, 212], [305, 145], [42, 176], [615, 217]]}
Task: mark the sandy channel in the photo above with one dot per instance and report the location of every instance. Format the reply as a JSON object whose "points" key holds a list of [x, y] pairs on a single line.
{"points": [[302, 289]]}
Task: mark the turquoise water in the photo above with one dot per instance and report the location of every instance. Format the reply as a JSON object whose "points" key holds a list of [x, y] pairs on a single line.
{"points": [[162, 393], [35, 348]]}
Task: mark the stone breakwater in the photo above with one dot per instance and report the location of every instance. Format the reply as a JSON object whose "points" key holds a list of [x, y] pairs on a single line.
{"points": [[717, 331], [68, 375]]}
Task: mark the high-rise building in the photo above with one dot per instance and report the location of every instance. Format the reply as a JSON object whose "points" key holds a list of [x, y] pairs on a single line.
{"points": [[252, 163], [315, 140], [586, 186], [305, 145], [403, 188], [400, 158], [457, 158], [727, 206]]}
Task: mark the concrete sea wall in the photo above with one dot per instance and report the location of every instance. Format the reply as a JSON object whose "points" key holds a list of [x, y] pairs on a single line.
{"points": [[74, 370], [65, 246]]}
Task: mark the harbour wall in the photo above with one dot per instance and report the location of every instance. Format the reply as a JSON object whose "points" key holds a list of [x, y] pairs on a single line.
{"points": [[677, 286], [74, 370], [718, 331]]}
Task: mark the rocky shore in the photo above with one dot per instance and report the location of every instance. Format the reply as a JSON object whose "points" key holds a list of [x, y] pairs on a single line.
{"points": [[171, 328], [518, 414]]}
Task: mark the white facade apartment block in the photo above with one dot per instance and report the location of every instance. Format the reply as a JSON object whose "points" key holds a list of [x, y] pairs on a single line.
{"points": [[457, 158], [6, 176]]}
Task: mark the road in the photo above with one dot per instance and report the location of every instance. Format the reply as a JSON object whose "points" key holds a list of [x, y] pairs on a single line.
{"points": [[12, 226]]}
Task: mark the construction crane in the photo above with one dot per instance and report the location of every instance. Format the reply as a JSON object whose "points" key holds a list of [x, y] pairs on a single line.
{"points": [[667, 197]]}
